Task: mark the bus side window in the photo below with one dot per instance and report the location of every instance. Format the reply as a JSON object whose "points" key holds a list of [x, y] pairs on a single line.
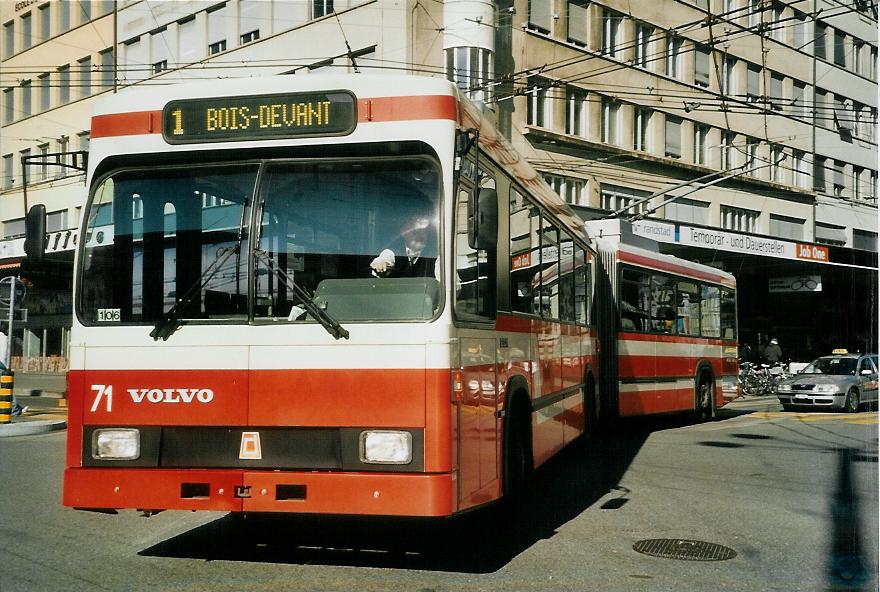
{"points": [[662, 304], [710, 312], [688, 312], [566, 278], [525, 252], [475, 275], [728, 315], [635, 296], [549, 277], [583, 289]]}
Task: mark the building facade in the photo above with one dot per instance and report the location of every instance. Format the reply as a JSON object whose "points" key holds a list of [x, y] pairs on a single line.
{"points": [[740, 133]]}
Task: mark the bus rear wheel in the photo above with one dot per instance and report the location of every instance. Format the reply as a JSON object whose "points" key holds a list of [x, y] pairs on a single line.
{"points": [[517, 460], [705, 398]]}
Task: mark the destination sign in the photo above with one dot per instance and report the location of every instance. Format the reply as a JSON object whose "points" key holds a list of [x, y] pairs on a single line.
{"points": [[219, 119]]}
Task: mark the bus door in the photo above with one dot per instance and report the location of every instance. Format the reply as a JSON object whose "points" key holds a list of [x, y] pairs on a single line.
{"points": [[478, 420]]}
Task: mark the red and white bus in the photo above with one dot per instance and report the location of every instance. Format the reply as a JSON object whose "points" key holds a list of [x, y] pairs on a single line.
{"points": [[256, 331], [668, 327]]}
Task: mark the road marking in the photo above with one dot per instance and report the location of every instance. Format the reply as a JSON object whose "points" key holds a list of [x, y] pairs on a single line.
{"points": [[853, 418]]}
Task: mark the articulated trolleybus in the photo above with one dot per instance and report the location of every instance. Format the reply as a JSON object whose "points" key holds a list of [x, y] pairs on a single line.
{"points": [[320, 295]]}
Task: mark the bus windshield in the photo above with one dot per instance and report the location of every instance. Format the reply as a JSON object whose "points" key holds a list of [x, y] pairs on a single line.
{"points": [[152, 235]]}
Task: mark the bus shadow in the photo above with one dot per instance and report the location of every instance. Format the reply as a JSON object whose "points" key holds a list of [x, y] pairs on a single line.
{"points": [[479, 542]]}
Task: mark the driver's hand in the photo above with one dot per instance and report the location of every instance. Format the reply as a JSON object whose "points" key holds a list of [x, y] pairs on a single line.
{"points": [[383, 263]]}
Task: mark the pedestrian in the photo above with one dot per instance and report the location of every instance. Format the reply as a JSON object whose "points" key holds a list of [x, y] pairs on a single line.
{"points": [[16, 408], [773, 353], [745, 352]]}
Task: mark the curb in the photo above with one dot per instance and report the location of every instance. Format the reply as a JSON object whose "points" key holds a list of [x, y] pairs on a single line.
{"points": [[28, 428]]}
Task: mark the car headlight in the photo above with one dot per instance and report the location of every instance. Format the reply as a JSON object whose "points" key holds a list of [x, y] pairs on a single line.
{"points": [[389, 447], [827, 388], [116, 444], [784, 388]]}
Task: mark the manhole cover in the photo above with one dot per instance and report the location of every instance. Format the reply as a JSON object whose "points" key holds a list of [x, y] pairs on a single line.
{"points": [[684, 549]]}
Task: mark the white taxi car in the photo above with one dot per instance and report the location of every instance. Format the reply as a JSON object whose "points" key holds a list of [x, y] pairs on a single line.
{"points": [[841, 381]]}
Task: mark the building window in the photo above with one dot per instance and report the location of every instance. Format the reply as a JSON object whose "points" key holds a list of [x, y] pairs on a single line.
{"points": [[673, 54], [578, 21], [159, 52], [824, 115], [755, 12], [859, 177], [777, 164], [643, 45], [864, 240], [217, 30], [819, 165], [576, 112], [44, 165], [45, 22], [752, 145], [610, 32], [7, 171], [540, 15], [839, 186], [819, 40], [26, 98], [776, 97], [8, 106], [738, 219], [786, 227], [63, 16], [85, 7], [85, 76], [9, 39], [614, 198], [728, 75], [858, 61], [539, 105], [701, 143], [727, 8], [702, 57], [642, 129], [798, 92], [63, 85], [779, 25], [107, 74], [840, 48], [728, 150], [189, 49], [321, 8], [45, 92], [800, 30], [26, 31], [250, 16], [799, 168], [842, 115], [753, 83], [570, 189], [687, 210], [829, 234], [673, 137], [470, 68], [610, 115]]}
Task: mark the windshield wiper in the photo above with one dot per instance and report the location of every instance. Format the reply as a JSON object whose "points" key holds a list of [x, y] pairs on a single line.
{"points": [[322, 316], [168, 324]]}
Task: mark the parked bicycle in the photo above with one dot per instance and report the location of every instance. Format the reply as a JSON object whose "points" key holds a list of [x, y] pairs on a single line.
{"points": [[761, 379]]}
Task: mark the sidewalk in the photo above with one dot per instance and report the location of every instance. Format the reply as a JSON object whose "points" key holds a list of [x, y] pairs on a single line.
{"points": [[47, 410]]}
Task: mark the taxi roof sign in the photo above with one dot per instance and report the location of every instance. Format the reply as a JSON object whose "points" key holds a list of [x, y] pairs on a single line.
{"points": [[840, 351]]}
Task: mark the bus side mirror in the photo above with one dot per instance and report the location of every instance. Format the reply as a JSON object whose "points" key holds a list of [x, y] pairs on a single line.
{"points": [[35, 234], [482, 219]]}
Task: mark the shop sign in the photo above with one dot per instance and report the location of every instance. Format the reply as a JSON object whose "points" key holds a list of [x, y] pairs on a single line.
{"points": [[795, 283], [708, 238]]}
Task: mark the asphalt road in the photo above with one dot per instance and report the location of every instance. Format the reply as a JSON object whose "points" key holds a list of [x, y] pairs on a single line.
{"points": [[794, 496]]}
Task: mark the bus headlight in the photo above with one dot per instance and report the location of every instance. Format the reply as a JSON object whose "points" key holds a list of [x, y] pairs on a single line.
{"points": [[387, 447], [116, 444]]}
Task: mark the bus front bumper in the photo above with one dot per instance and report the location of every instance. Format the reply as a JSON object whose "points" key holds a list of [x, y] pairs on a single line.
{"points": [[380, 494]]}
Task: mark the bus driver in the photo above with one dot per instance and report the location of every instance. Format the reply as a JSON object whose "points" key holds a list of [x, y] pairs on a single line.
{"points": [[416, 245]]}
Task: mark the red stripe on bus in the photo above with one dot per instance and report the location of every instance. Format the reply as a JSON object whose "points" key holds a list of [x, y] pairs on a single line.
{"points": [[663, 265], [378, 109], [407, 108], [126, 124]]}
